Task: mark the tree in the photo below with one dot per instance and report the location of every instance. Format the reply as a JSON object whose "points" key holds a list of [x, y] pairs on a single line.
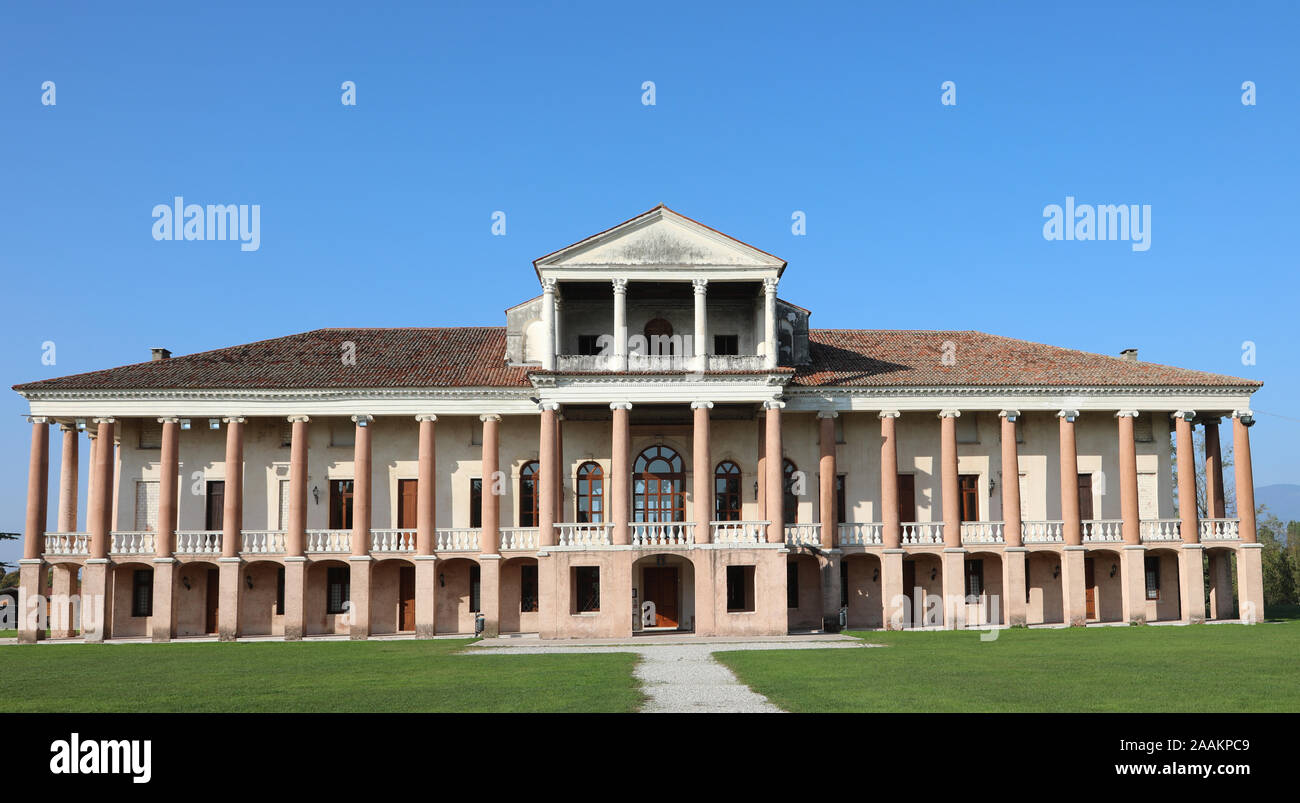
{"points": [[4, 566], [1279, 566], [1198, 460]]}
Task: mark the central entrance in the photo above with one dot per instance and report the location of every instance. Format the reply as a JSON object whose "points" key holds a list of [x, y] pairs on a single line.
{"points": [[661, 589]]}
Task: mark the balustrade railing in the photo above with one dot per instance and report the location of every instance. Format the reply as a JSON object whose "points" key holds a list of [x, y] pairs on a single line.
{"points": [[1220, 530], [922, 532], [262, 542], [1099, 531], [131, 543], [983, 532], [1042, 532], [198, 542], [514, 539], [338, 542], [392, 540], [67, 543], [583, 533], [662, 533], [862, 533], [1161, 530], [803, 534], [457, 539], [739, 532]]}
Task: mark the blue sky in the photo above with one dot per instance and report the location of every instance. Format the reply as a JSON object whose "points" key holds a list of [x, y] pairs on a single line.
{"points": [[919, 215]]}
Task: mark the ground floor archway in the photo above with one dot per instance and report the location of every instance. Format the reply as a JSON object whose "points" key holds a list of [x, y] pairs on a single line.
{"points": [[985, 602], [261, 600], [328, 599], [196, 599], [663, 586], [860, 591], [803, 588], [519, 596], [1103, 586], [64, 611], [130, 600], [1163, 592], [392, 597], [923, 590], [1044, 600], [1220, 572], [457, 597]]}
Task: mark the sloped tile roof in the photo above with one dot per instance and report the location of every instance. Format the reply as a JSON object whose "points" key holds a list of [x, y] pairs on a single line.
{"points": [[892, 357], [475, 357]]}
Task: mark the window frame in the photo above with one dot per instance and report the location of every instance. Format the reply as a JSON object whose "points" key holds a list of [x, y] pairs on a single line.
{"points": [[727, 486], [589, 490], [527, 510]]}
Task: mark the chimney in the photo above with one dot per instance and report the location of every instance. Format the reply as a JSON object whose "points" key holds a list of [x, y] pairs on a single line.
{"points": [[1129, 354], [159, 354]]}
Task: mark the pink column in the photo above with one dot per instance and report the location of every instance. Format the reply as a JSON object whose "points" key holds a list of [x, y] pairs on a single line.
{"points": [[548, 466], [1245, 485], [1073, 527], [1010, 477], [233, 510], [1128, 478], [68, 469], [426, 505], [892, 530], [775, 473], [560, 471], [948, 476], [489, 541], [620, 478], [100, 502], [702, 459], [361, 499], [826, 479], [1214, 496], [761, 470], [38, 472], [1186, 459], [295, 537], [168, 487]]}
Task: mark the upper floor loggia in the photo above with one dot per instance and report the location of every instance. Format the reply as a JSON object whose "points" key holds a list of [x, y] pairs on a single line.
{"points": [[658, 292]]}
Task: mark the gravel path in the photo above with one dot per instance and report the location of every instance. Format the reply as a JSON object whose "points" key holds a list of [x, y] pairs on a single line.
{"points": [[684, 678]]}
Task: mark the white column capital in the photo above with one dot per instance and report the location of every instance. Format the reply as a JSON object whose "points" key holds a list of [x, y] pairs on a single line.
{"points": [[1010, 415], [486, 417], [1068, 415], [169, 419], [238, 419], [1246, 416], [1126, 414], [828, 414], [773, 404], [548, 405], [701, 405], [105, 420], [422, 417], [770, 284], [888, 414], [362, 419], [701, 286], [950, 413], [1186, 415], [67, 427], [620, 286], [298, 419], [37, 419], [548, 285], [620, 405]]}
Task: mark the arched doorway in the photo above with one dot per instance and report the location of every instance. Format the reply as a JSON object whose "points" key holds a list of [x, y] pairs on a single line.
{"points": [[664, 589], [519, 596], [392, 597], [860, 591], [790, 481], [1103, 586], [1044, 601], [923, 588], [1164, 602], [132, 600], [1219, 564], [457, 597], [528, 485], [982, 586], [590, 493], [196, 597], [329, 597], [803, 588], [261, 604], [657, 486]]}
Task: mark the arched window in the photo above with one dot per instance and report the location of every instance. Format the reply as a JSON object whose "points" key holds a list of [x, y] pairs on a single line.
{"points": [[591, 494], [657, 481], [659, 338], [791, 499], [726, 492], [528, 494]]}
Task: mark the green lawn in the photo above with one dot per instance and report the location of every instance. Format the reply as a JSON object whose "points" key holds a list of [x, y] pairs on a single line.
{"points": [[1143, 669], [311, 676]]}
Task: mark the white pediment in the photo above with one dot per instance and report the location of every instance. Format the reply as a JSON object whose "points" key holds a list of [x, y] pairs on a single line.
{"points": [[663, 240]]}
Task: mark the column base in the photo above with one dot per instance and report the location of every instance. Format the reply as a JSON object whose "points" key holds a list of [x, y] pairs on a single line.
{"points": [[1013, 586], [1250, 583], [229, 591], [1073, 580], [892, 594], [954, 588], [1133, 583], [295, 597], [359, 579], [31, 601], [1191, 583], [164, 572], [426, 583], [95, 609]]}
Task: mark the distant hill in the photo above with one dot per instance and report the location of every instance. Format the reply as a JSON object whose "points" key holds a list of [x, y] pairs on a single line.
{"points": [[1283, 501]]}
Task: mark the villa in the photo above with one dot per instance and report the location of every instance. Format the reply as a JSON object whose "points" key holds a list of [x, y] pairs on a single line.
{"points": [[654, 442]]}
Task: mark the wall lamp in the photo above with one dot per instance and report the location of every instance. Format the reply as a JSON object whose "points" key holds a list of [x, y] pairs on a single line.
{"points": [[185, 581], [248, 581], [1114, 567], [1056, 572], [442, 580], [875, 574], [934, 573], [315, 493]]}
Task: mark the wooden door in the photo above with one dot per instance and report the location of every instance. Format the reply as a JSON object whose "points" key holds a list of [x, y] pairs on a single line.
{"points": [[1085, 503], [661, 589], [406, 504], [906, 498], [341, 504], [1089, 590], [213, 601], [968, 486], [406, 599], [216, 504]]}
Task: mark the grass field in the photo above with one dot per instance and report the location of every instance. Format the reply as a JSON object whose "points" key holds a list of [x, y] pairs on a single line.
{"points": [[1200, 668], [312, 676]]}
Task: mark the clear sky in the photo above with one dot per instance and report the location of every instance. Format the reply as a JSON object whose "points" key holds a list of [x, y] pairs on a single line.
{"points": [[919, 215]]}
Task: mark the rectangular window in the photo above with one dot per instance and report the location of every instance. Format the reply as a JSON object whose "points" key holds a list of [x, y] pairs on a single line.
{"points": [[1153, 577], [841, 512], [476, 502], [142, 592], [283, 517], [906, 497], [146, 506], [974, 578], [1142, 429], [968, 485], [407, 504], [475, 586], [839, 429], [339, 589], [150, 434], [726, 345], [586, 589], [286, 435], [528, 588], [740, 589], [791, 584], [279, 590], [589, 345]]}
